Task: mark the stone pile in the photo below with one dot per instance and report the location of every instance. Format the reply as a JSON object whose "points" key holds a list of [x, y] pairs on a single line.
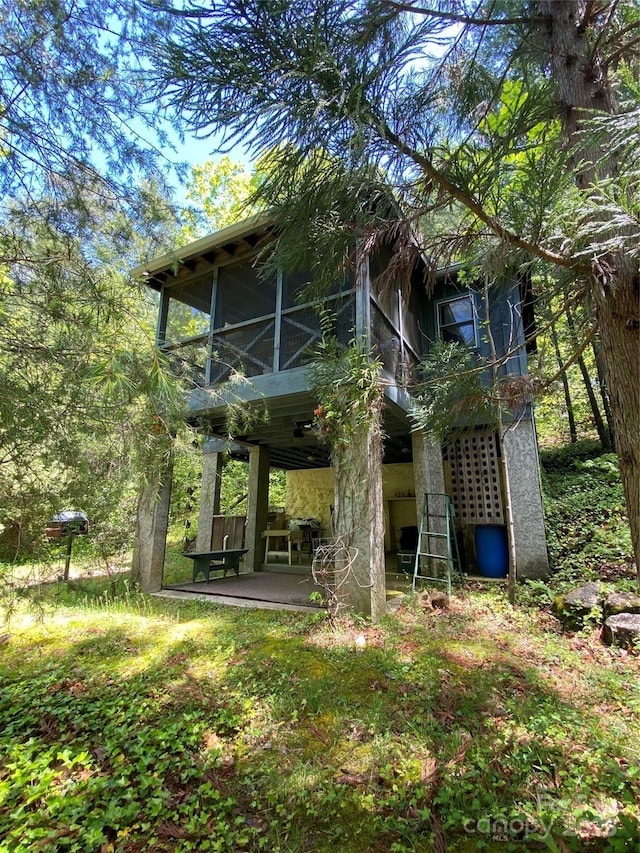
{"points": [[617, 612]]}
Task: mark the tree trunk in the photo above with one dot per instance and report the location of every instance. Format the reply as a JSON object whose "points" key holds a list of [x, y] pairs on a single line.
{"points": [[583, 87], [617, 308], [603, 433], [573, 433], [604, 392]]}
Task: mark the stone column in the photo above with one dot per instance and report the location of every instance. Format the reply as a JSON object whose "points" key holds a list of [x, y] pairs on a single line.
{"points": [[152, 521], [428, 469], [257, 506], [359, 522], [209, 494], [428, 474], [521, 456]]}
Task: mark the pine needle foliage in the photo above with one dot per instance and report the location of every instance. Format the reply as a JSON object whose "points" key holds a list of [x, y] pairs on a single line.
{"points": [[454, 394]]}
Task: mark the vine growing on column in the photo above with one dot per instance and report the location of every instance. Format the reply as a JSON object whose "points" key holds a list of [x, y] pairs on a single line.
{"points": [[348, 418]]}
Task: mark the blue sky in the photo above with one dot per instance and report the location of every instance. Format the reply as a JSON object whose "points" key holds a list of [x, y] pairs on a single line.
{"points": [[196, 151]]}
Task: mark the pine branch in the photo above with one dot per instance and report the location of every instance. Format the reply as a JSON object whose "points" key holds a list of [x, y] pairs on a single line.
{"points": [[464, 19], [477, 209]]}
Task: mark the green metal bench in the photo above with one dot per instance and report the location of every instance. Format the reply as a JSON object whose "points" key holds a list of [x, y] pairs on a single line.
{"points": [[212, 561]]}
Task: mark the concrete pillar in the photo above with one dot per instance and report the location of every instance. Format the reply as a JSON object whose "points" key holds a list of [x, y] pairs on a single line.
{"points": [[428, 473], [521, 456], [152, 521], [359, 522], [428, 469], [209, 494], [257, 507]]}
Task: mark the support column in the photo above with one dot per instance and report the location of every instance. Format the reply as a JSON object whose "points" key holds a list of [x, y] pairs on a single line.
{"points": [[521, 455], [257, 506], [209, 494], [152, 522], [428, 474], [428, 469], [359, 521]]}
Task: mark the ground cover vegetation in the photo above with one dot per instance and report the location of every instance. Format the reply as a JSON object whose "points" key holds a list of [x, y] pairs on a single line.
{"points": [[131, 724]]}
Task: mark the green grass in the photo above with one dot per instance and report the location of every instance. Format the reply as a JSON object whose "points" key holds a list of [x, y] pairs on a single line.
{"points": [[131, 725]]}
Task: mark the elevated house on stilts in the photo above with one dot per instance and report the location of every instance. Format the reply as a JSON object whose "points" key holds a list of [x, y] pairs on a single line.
{"points": [[218, 318]]}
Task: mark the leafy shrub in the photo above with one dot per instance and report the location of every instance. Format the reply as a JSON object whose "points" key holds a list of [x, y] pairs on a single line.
{"points": [[564, 457], [585, 512]]}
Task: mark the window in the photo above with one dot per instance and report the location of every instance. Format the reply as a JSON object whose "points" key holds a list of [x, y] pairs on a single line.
{"points": [[456, 321]]}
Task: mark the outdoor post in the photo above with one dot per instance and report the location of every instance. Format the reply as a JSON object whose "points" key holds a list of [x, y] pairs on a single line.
{"points": [[358, 502], [152, 522], [67, 562], [428, 474], [359, 522], [209, 493], [257, 506], [521, 453], [428, 468]]}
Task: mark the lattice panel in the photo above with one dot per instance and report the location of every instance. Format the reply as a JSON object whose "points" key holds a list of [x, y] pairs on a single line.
{"points": [[475, 479], [248, 349], [299, 337]]}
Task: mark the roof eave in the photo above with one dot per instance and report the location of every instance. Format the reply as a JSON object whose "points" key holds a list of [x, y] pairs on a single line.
{"points": [[201, 246]]}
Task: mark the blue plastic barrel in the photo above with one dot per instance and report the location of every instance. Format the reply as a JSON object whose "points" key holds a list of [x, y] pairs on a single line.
{"points": [[492, 550]]}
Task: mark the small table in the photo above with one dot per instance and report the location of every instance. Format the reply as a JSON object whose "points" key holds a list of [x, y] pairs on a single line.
{"points": [[226, 559], [289, 536]]}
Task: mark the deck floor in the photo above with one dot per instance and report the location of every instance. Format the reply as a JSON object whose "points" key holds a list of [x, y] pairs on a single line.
{"points": [[277, 587]]}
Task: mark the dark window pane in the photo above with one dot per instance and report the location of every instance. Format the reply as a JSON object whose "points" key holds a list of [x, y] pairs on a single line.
{"points": [[464, 334], [456, 311], [243, 295], [456, 321]]}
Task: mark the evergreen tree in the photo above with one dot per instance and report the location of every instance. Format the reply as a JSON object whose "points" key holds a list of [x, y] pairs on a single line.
{"points": [[73, 117], [79, 179], [82, 388]]}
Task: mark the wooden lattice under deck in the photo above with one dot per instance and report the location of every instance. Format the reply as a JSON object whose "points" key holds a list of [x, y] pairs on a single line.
{"points": [[475, 479]]}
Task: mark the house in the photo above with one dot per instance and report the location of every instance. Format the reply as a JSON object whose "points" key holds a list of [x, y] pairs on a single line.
{"points": [[219, 319]]}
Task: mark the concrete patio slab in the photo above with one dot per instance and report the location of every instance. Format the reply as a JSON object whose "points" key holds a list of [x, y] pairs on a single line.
{"points": [[271, 590]]}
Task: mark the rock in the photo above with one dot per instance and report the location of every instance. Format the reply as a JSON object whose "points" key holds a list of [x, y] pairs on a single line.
{"points": [[439, 601], [622, 630], [573, 608], [586, 597], [621, 602], [423, 599], [433, 600]]}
